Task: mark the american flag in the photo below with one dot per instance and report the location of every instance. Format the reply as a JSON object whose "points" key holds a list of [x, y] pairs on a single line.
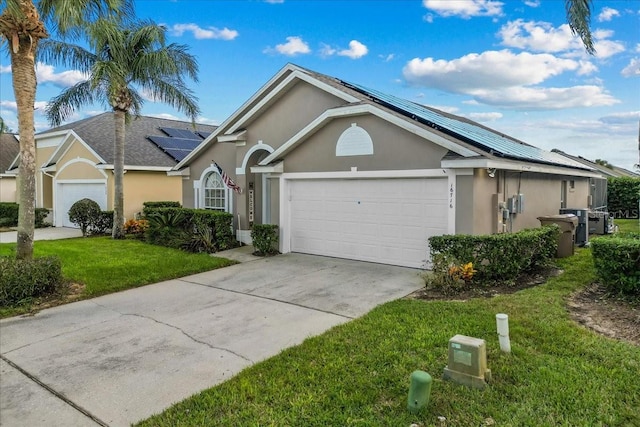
{"points": [[227, 180]]}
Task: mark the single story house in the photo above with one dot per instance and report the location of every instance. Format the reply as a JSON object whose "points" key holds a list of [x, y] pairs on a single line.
{"points": [[350, 172], [75, 161], [9, 149]]}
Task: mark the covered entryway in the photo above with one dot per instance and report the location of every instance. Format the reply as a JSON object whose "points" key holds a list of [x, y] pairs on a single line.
{"points": [[385, 221], [67, 193]]}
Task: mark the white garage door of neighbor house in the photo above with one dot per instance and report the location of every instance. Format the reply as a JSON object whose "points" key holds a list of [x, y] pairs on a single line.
{"points": [[69, 193], [387, 221]]}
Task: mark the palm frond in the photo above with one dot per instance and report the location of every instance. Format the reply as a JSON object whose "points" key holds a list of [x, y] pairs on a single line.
{"points": [[69, 55], [61, 107], [579, 20]]}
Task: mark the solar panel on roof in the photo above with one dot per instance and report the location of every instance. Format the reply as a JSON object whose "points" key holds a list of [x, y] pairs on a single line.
{"points": [[203, 134], [180, 133], [177, 143], [486, 139], [177, 154]]}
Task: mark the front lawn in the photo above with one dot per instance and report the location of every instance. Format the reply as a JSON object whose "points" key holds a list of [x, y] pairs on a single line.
{"points": [[628, 225], [559, 373], [105, 265]]}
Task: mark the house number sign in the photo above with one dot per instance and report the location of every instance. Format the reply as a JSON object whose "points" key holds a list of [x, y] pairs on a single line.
{"points": [[451, 191], [251, 206]]}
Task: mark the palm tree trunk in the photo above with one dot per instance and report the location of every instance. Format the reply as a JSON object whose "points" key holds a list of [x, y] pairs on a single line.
{"points": [[24, 87], [118, 170]]}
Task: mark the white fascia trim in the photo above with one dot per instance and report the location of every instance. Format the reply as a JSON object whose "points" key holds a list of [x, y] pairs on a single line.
{"points": [[235, 137], [354, 110], [81, 181], [296, 75], [287, 68], [8, 175], [15, 164], [66, 146], [277, 168], [516, 166], [137, 168], [266, 147], [409, 173], [51, 168], [181, 172]]}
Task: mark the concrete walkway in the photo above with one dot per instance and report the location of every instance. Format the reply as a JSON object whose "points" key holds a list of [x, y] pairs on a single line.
{"points": [[122, 357], [49, 233]]}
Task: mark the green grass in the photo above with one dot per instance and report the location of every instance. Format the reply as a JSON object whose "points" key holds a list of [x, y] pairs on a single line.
{"points": [[105, 265], [628, 225], [357, 374]]}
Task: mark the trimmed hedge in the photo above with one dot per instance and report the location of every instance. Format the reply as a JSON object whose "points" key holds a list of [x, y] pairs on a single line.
{"points": [[175, 227], [103, 223], [149, 206], [622, 197], [265, 238], [8, 214], [496, 257], [22, 280], [617, 261]]}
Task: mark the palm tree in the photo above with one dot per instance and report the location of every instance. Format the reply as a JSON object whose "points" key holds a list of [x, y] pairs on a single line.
{"points": [[125, 62], [22, 25], [579, 19]]}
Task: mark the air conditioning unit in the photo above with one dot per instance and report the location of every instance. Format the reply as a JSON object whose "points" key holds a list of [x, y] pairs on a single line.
{"points": [[582, 230], [600, 223]]}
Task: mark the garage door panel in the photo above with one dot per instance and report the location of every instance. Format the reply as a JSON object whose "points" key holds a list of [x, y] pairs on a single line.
{"points": [[68, 193], [378, 220]]}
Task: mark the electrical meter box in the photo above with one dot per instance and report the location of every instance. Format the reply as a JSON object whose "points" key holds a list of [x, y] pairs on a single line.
{"points": [[467, 362]]}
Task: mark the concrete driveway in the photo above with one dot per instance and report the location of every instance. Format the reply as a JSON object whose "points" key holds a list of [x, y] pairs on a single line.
{"points": [[48, 233], [120, 358]]}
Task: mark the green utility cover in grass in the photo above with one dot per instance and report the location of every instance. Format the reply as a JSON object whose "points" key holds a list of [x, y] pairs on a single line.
{"points": [[419, 390]]}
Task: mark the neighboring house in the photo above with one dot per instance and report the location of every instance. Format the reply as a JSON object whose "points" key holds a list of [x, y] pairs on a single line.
{"points": [[9, 149], [75, 161], [350, 172], [599, 185]]}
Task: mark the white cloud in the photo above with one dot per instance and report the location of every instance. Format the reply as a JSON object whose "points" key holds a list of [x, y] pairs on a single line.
{"points": [[206, 121], [204, 33], [621, 118], [532, 3], [5, 69], [638, 48], [538, 36], [537, 98], [294, 46], [544, 37], [485, 117], [607, 14], [165, 116], [464, 8], [13, 107], [356, 50], [502, 78], [327, 50], [46, 74], [387, 58], [633, 69], [490, 69], [274, 1]]}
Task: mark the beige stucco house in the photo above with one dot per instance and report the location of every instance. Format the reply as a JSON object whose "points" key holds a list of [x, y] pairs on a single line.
{"points": [[349, 172], [75, 161], [9, 148]]}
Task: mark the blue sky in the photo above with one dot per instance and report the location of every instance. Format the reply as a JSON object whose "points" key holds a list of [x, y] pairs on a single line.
{"points": [[512, 65]]}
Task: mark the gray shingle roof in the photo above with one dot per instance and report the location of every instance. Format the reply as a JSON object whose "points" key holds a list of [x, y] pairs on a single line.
{"points": [[99, 132], [9, 149]]}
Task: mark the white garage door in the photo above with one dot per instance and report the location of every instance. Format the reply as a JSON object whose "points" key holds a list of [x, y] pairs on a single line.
{"points": [[379, 220], [69, 193]]}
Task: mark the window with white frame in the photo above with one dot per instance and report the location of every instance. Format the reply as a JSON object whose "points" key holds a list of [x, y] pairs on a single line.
{"points": [[216, 194]]}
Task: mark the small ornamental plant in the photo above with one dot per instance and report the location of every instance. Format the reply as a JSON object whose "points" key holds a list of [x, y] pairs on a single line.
{"points": [[136, 227]]}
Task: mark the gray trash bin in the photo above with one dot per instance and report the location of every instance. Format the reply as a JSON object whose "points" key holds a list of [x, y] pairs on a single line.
{"points": [[568, 224]]}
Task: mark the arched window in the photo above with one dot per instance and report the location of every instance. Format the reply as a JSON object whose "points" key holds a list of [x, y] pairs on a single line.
{"points": [[216, 194]]}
